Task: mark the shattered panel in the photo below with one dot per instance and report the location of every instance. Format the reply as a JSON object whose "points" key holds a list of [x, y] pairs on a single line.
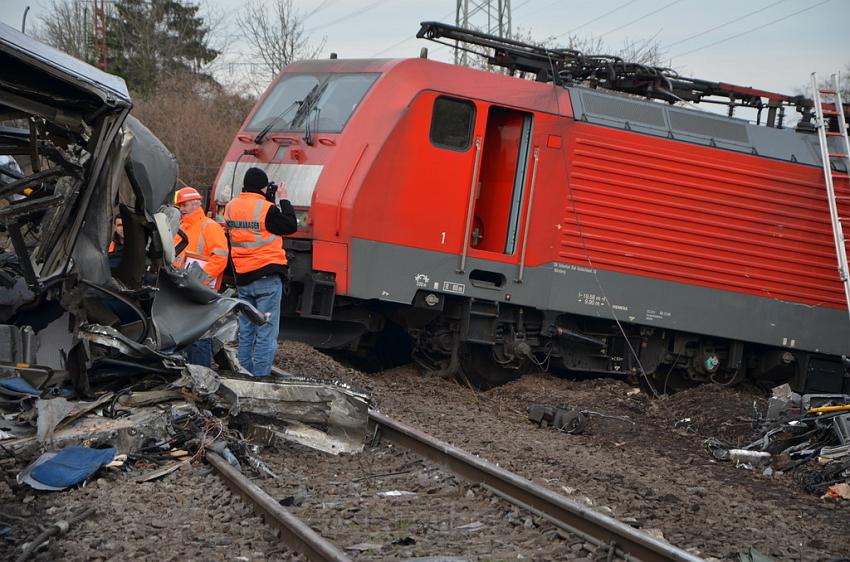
{"points": [[316, 414]]}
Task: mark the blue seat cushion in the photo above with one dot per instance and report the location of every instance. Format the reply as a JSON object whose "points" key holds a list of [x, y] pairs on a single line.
{"points": [[72, 465]]}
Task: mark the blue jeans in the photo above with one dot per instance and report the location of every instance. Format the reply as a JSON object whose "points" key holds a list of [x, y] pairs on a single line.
{"points": [[257, 344]]}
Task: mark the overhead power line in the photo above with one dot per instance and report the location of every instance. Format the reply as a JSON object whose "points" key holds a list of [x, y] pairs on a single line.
{"points": [[730, 22], [643, 17], [762, 26], [322, 5], [406, 39], [606, 14], [346, 17], [446, 16]]}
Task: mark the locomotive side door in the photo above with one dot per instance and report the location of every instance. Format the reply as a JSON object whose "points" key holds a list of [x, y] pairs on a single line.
{"points": [[502, 179]]}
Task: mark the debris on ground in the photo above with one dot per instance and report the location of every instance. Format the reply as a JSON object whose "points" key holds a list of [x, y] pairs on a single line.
{"points": [[570, 420], [753, 555], [58, 470], [806, 436], [838, 491], [58, 528]]}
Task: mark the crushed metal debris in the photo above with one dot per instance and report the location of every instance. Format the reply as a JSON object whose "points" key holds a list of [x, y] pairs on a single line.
{"points": [[571, 420], [806, 436]]}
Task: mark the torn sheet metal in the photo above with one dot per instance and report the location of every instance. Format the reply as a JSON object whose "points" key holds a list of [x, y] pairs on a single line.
{"points": [[202, 381], [303, 434], [125, 434], [185, 309], [50, 414], [151, 168], [111, 338], [316, 414], [106, 86]]}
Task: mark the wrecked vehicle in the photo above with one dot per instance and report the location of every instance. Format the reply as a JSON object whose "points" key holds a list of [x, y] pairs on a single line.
{"points": [[91, 332], [69, 309]]}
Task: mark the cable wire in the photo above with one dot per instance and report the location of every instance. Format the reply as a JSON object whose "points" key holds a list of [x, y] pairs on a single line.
{"points": [[730, 22], [643, 17], [346, 17], [608, 13], [323, 4], [406, 39], [762, 26]]}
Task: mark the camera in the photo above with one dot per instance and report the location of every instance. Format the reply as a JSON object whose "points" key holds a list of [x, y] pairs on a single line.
{"points": [[271, 190]]}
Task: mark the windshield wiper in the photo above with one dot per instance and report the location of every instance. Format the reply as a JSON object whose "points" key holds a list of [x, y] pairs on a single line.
{"points": [[307, 103], [306, 108], [262, 134], [308, 132]]}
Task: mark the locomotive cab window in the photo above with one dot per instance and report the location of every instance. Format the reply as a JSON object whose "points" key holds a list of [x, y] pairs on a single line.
{"points": [[452, 123], [321, 101]]}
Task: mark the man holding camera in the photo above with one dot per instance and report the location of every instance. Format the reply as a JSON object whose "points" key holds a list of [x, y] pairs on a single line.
{"points": [[256, 226]]}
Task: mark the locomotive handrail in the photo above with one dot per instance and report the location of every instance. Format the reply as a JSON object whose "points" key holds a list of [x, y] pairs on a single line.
{"points": [[472, 190], [528, 215]]}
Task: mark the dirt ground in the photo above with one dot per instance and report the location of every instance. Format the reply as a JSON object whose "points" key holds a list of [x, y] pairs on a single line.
{"points": [[657, 477], [188, 515], [654, 474]]}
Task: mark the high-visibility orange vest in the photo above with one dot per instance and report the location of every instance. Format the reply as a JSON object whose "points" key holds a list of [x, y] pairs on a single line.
{"points": [[206, 239], [252, 246]]}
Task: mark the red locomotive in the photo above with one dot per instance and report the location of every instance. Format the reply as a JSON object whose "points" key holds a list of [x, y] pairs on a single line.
{"points": [[567, 221]]}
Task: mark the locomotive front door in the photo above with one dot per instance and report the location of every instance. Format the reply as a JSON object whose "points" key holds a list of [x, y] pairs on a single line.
{"points": [[501, 181]]}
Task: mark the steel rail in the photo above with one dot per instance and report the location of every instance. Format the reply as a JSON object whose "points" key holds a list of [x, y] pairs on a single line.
{"points": [[633, 544], [294, 532]]}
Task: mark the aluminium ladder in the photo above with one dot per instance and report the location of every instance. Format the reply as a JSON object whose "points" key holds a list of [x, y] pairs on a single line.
{"points": [[824, 109]]}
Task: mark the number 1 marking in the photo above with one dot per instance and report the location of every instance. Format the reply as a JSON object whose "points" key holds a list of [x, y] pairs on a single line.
{"points": [[443, 237]]}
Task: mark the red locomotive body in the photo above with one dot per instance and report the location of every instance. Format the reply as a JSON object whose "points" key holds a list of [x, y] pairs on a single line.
{"points": [[499, 222]]}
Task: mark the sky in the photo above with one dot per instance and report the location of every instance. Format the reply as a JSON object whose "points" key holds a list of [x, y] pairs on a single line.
{"points": [[767, 44]]}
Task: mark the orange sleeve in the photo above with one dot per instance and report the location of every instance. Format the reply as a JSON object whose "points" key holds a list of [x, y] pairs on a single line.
{"points": [[216, 248]]}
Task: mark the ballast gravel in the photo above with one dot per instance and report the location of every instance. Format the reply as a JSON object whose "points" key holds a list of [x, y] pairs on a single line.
{"points": [[657, 477]]}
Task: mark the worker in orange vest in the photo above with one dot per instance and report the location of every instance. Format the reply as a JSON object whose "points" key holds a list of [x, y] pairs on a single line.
{"points": [[256, 226], [117, 243], [202, 236]]}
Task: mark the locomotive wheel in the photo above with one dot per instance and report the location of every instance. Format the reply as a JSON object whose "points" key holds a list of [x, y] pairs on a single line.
{"points": [[479, 368]]}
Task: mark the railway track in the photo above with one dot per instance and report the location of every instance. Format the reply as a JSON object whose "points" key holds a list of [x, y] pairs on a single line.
{"points": [[619, 540], [295, 533]]}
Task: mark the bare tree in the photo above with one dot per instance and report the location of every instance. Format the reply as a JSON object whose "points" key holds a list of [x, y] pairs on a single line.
{"points": [[66, 26], [196, 119], [825, 82], [276, 37]]}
